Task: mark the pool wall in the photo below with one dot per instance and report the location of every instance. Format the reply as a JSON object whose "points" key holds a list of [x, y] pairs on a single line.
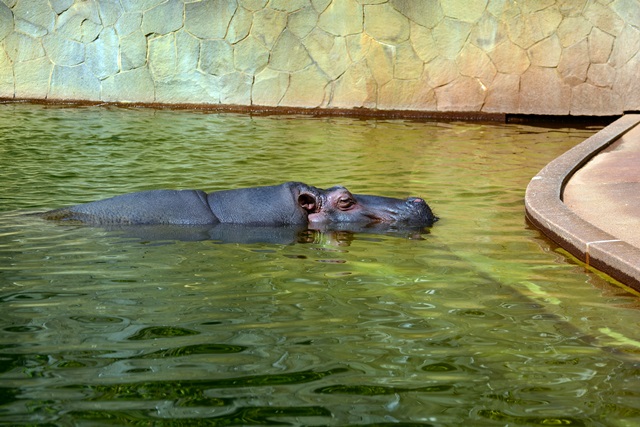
{"points": [[497, 56]]}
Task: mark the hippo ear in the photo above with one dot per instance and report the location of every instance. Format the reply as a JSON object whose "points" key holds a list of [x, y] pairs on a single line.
{"points": [[308, 202]]}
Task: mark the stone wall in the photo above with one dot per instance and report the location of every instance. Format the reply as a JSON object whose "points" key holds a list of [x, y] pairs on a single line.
{"points": [[494, 56]]}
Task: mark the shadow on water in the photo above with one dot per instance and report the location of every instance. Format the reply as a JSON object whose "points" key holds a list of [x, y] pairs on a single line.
{"points": [[247, 234]]}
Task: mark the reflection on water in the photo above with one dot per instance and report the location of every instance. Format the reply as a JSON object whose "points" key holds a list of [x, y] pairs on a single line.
{"points": [[477, 322]]}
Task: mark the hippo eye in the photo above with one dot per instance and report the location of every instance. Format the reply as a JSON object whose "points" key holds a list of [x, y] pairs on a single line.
{"points": [[346, 202]]}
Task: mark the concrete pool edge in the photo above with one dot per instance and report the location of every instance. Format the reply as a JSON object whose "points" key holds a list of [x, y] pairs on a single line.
{"points": [[545, 209]]}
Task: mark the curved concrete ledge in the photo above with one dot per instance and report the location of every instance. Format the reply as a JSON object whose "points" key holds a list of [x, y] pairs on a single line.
{"points": [[545, 209]]}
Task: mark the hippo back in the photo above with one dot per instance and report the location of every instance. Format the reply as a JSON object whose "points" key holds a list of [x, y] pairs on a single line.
{"points": [[270, 205], [185, 207]]}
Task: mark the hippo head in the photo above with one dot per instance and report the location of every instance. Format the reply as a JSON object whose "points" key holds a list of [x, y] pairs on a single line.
{"points": [[337, 205]]}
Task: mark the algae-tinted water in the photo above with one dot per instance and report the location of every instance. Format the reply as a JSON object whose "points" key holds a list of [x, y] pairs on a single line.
{"points": [[479, 322]]}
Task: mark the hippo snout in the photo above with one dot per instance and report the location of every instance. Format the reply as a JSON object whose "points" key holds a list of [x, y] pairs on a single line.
{"points": [[418, 212]]}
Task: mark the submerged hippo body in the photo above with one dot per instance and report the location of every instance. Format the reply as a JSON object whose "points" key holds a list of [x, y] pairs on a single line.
{"points": [[292, 203]]}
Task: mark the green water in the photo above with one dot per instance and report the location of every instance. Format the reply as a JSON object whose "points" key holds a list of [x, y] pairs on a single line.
{"points": [[480, 322]]}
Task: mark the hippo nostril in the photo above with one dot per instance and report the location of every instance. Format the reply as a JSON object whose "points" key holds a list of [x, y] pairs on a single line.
{"points": [[415, 201]]}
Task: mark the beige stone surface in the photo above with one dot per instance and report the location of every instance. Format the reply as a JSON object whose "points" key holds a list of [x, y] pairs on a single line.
{"points": [[547, 52], [356, 87], [385, 24], [503, 94], [600, 46], [531, 57], [341, 18], [510, 58], [543, 86]]}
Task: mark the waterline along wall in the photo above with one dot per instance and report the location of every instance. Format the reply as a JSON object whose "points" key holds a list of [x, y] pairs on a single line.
{"points": [[494, 56]]}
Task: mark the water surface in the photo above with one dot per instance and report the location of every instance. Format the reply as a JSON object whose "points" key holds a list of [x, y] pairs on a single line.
{"points": [[478, 321]]}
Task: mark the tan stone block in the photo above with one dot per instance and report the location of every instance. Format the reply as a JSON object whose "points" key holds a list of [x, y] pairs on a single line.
{"points": [[307, 89], [473, 62], [356, 88], [464, 10], [385, 24], [573, 29], [628, 10], [6, 21], [127, 23], [139, 5], [602, 75], [110, 11], [503, 9], [320, 5], [7, 88], [34, 18], [600, 46], [289, 54], [60, 6], [129, 86], [543, 91], [380, 59], [288, 5], [535, 5], [77, 83], [488, 32], [571, 7], [250, 56], [102, 54], [423, 43], [462, 94], [627, 84], [592, 100], [503, 94], [441, 71], [62, 51], [329, 52], [253, 5], [269, 87], [81, 22], [527, 29], [450, 35], [133, 50], [341, 18], [21, 47], [625, 46], [604, 18], [235, 89], [509, 58], [188, 48], [208, 19], [424, 13], [239, 26], [163, 57], [193, 87], [407, 63], [32, 78], [546, 53], [302, 22], [164, 18], [574, 63], [216, 57], [267, 26], [407, 95], [358, 46]]}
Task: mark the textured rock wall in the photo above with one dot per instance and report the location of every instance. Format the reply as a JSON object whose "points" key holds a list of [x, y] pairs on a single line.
{"points": [[494, 56]]}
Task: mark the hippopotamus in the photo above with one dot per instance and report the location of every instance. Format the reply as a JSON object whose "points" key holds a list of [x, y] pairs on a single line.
{"points": [[288, 204]]}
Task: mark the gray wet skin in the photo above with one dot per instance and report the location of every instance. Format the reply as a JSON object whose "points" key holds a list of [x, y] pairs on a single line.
{"points": [[291, 203]]}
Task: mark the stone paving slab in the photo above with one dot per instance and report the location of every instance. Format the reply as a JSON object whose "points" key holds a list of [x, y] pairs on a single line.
{"points": [[588, 200]]}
